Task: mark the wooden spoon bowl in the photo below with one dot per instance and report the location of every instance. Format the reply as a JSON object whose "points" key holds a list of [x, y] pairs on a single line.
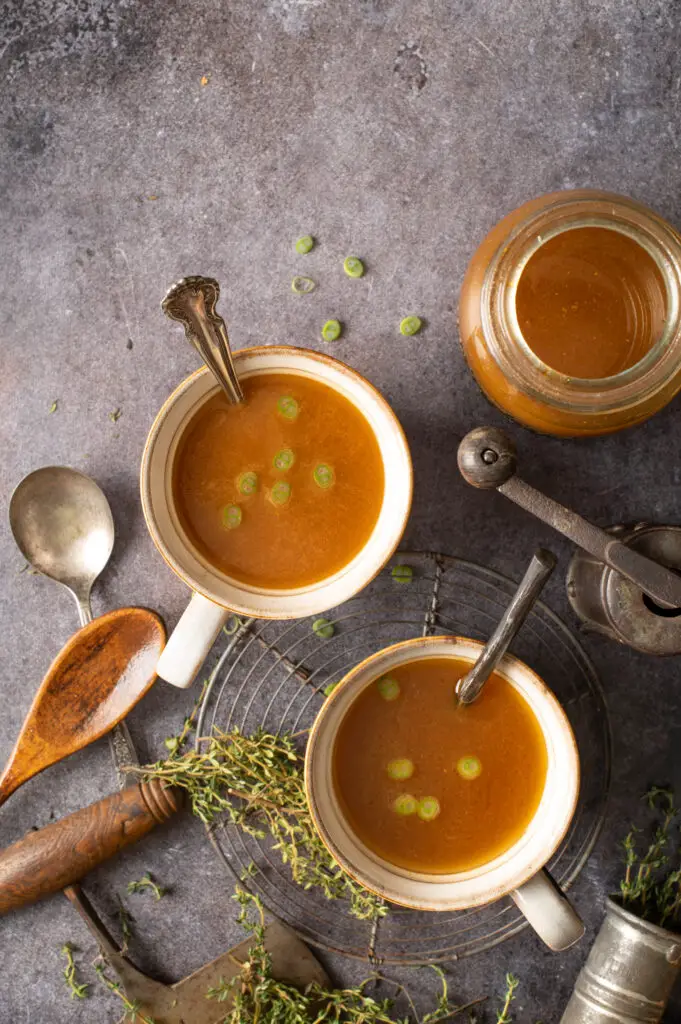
{"points": [[101, 673]]}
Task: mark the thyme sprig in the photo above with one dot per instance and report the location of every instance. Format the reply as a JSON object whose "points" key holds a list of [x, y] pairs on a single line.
{"points": [[77, 989], [259, 998], [511, 985], [133, 1012], [651, 887], [258, 782], [147, 884]]}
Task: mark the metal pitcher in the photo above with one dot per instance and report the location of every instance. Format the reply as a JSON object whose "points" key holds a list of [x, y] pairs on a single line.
{"points": [[629, 973]]}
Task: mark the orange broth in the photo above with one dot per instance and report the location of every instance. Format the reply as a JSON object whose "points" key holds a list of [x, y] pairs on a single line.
{"points": [[497, 738], [286, 525]]}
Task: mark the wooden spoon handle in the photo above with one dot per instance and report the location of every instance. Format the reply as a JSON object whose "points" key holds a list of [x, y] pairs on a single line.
{"points": [[47, 860]]}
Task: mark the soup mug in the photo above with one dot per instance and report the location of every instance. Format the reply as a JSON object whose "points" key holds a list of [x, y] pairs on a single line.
{"points": [[518, 872], [216, 595]]}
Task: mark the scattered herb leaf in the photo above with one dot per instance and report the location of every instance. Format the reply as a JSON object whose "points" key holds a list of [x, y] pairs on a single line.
{"points": [[77, 989], [54, 406], [147, 883], [132, 1007], [115, 415]]}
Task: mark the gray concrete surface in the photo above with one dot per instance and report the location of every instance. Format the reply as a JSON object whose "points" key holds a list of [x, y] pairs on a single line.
{"points": [[399, 130]]}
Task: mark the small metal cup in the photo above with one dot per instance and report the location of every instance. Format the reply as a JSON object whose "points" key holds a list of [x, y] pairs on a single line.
{"points": [[629, 974]]}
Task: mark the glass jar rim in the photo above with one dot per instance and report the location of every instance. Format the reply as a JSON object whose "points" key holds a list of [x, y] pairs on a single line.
{"points": [[500, 324]]}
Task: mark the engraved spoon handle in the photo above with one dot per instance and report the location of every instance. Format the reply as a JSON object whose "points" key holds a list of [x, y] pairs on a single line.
{"points": [[192, 302], [540, 568]]}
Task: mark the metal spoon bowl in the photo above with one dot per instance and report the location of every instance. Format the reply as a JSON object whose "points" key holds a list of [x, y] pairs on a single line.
{"points": [[63, 526]]}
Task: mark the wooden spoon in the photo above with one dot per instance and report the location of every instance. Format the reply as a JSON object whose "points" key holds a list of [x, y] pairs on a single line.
{"points": [[101, 673]]}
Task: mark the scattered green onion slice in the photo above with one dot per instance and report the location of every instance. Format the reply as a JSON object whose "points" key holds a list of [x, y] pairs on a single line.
{"points": [[468, 767], [231, 516], [410, 325], [302, 285], [284, 459], [353, 266], [405, 804], [329, 688], [388, 688], [233, 623], [280, 493], [400, 768], [323, 629], [428, 808], [304, 244], [402, 573], [332, 330], [288, 407], [324, 476], [247, 483]]}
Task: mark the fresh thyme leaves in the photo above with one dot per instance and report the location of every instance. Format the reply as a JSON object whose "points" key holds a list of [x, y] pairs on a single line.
{"points": [[77, 989], [265, 775], [115, 415], [511, 985], [147, 883], [258, 998], [54, 406], [125, 919], [651, 887], [176, 744], [133, 1012]]}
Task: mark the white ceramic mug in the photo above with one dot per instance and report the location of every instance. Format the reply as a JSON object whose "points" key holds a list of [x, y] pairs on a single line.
{"points": [[216, 596], [517, 872]]}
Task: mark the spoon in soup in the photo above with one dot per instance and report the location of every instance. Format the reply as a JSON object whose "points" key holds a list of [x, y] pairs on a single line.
{"points": [[538, 571], [192, 303]]}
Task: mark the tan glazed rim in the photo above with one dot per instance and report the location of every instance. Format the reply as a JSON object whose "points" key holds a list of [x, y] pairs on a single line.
{"points": [[194, 569], [459, 890]]}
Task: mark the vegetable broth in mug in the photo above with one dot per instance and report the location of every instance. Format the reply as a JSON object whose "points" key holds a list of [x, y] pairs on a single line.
{"points": [[282, 490], [433, 786]]}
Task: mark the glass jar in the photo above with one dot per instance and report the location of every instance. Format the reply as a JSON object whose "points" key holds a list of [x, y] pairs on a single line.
{"points": [[511, 374]]}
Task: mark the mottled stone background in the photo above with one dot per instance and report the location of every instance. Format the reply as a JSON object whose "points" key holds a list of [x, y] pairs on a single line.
{"points": [[400, 130]]}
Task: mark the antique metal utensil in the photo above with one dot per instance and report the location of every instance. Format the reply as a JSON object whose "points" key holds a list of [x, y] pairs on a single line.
{"points": [[192, 302], [622, 580], [629, 974], [91, 685], [63, 526], [186, 1001], [530, 587]]}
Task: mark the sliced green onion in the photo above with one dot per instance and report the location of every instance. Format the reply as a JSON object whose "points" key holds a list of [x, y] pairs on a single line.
{"points": [[402, 573], [304, 244], [388, 688], [332, 330], [323, 629], [284, 459], [233, 623], [280, 493], [400, 768], [405, 804], [302, 285], [353, 266], [323, 475], [428, 808], [468, 767], [231, 516], [288, 407], [329, 688], [410, 325], [248, 483]]}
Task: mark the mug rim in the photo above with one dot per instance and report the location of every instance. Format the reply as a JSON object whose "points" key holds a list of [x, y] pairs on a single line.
{"points": [[367, 671], [273, 596]]}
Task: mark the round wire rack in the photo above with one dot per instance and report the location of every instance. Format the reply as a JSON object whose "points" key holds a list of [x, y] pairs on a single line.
{"points": [[273, 674]]}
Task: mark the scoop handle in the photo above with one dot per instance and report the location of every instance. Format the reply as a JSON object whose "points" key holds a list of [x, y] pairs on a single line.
{"points": [[51, 858]]}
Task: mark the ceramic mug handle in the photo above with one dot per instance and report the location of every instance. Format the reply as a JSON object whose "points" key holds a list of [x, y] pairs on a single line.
{"points": [[191, 640], [548, 911]]}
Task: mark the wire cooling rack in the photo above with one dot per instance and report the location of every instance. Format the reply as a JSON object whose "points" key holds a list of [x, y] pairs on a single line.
{"points": [[272, 674]]}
